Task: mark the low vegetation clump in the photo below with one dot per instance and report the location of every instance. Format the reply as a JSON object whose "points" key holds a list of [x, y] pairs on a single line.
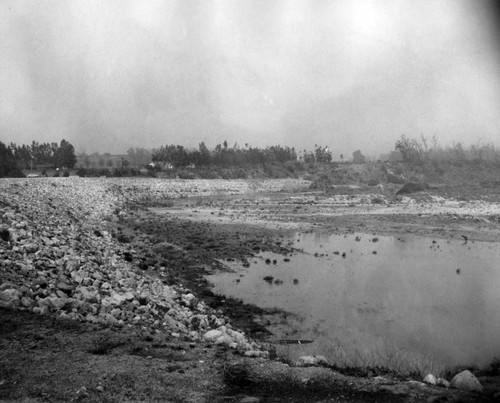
{"points": [[104, 345], [412, 187], [280, 382]]}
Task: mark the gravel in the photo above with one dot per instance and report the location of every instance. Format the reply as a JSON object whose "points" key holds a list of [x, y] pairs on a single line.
{"points": [[57, 256]]}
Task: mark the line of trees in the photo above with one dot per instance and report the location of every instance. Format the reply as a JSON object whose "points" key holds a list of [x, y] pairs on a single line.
{"points": [[224, 156], [135, 157], [418, 151], [43, 154]]}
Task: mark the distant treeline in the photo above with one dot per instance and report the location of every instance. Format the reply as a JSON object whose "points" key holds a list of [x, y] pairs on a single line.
{"points": [[14, 158], [43, 154], [222, 155]]}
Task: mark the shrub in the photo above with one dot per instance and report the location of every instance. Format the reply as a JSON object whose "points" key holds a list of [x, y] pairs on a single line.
{"points": [[208, 174], [240, 173], [412, 188], [226, 173], [391, 178], [104, 346], [66, 173], [186, 175]]}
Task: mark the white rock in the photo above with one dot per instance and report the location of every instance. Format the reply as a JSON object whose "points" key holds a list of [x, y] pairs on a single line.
{"points": [[226, 340], [10, 294], [311, 360], [250, 399], [129, 296], [430, 379], [443, 382], [117, 299], [30, 247], [27, 302], [189, 299], [256, 353], [212, 335], [466, 380], [44, 302], [87, 294]]}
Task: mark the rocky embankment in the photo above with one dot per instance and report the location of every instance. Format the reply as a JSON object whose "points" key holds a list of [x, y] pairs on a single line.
{"points": [[58, 257]]}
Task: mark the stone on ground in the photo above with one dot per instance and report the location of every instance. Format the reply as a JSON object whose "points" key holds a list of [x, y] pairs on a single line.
{"points": [[466, 380]]}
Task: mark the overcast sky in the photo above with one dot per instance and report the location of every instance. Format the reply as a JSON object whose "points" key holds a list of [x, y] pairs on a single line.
{"points": [[108, 75]]}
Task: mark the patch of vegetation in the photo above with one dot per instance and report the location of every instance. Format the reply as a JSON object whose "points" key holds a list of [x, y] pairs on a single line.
{"points": [[240, 377], [291, 384], [104, 345], [394, 361], [411, 187]]}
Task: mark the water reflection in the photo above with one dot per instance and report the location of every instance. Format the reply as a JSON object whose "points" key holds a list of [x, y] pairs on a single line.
{"points": [[438, 298]]}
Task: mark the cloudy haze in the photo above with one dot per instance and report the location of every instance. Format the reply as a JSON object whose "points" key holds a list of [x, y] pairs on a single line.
{"points": [[108, 75]]}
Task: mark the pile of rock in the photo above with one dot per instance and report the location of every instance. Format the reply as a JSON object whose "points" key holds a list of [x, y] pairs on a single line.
{"points": [[56, 257], [464, 380]]}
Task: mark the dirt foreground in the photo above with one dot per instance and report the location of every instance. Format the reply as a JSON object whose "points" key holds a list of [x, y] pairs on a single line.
{"points": [[103, 296]]}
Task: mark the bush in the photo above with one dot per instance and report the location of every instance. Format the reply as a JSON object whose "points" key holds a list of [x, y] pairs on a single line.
{"points": [[324, 182], [412, 188], [186, 175], [275, 171], [240, 173], [56, 174], [208, 174], [391, 178], [92, 172], [66, 173], [290, 167], [226, 173]]}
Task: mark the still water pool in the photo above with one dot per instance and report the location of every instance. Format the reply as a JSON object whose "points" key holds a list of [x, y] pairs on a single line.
{"points": [[368, 294]]}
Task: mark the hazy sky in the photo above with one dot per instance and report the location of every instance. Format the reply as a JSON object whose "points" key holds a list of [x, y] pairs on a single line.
{"points": [[107, 75]]}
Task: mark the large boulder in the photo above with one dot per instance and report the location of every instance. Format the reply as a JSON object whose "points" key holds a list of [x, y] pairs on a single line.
{"points": [[10, 295], [466, 380], [212, 335]]}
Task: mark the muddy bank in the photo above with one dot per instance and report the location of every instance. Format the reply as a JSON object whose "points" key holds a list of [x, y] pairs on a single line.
{"points": [[422, 214], [183, 252]]}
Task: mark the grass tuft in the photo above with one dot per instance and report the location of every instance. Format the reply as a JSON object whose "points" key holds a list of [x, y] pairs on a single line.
{"points": [[104, 346]]}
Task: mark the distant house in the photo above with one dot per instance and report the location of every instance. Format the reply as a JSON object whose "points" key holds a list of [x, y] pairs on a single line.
{"points": [[161, 165]]}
